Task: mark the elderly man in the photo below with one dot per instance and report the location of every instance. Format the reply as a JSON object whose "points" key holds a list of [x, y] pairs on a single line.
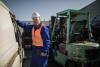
{"points": [[40, 41]]}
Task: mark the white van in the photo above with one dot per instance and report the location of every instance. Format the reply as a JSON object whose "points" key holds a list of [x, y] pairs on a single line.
{"points": [[9, 46]]}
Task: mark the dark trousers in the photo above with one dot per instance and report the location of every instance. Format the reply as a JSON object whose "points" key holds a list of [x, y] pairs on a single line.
{"points": [[37, 59]]}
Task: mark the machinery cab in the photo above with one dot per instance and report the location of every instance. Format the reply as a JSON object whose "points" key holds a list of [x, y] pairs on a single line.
{"points": [[72, 25]]}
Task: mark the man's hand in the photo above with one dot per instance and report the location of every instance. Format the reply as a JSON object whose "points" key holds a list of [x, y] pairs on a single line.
{"points": [[39, 52], [43, 54]]}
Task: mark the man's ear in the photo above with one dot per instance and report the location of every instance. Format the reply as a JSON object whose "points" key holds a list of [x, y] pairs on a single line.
{"points": [[40, 17]]}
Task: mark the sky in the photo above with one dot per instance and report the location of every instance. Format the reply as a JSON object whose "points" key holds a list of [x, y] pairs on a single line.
{"points": [[23, 9]]}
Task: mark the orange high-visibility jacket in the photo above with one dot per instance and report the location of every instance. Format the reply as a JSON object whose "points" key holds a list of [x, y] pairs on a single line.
{"points": [[36, 37]]}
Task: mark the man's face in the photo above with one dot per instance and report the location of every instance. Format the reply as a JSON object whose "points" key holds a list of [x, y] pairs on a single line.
{"points": [[36, 20]]}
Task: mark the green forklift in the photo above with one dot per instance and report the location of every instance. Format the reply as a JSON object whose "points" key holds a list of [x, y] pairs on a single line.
{"points": [[72, 41]]}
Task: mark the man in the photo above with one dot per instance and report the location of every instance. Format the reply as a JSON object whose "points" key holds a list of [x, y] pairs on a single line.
{"points": [[40, 41]]}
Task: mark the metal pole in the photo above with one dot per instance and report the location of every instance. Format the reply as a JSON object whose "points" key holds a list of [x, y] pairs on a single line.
{"points": [[52, 34], [89, 25], [68, 28]]}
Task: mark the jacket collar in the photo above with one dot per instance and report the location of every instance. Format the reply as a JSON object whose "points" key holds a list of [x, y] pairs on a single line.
{"points": [[38, 26]]}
